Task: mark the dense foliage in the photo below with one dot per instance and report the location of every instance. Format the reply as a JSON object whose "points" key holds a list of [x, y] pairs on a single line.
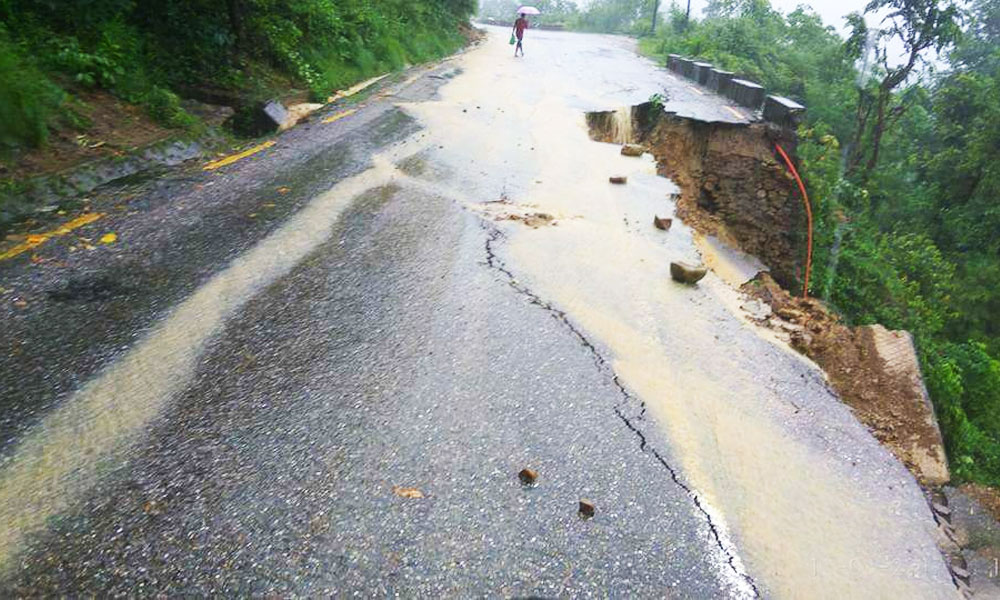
{"points": [[609, 16], [145, 52], [902, 156], [562, 13]]}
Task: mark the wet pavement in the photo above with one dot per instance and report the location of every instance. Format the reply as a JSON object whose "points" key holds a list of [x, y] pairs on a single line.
{"points": [[319, 370]]}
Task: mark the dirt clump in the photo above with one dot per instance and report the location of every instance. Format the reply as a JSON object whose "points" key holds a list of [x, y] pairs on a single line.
{"points": [[533, 220], [869, 369], [632, 150]]}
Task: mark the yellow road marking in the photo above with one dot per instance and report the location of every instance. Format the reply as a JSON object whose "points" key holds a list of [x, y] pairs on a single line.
{"points": [[340, 115], [37, 239], [355, 88], [235, 157], [738, 114], [696, 90]]}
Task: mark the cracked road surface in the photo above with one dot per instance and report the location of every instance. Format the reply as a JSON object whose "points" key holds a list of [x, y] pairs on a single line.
{"points": [[318, 371]]}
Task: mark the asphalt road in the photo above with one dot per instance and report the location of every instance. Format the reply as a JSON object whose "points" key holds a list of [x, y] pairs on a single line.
{"points": [[319, 370]]}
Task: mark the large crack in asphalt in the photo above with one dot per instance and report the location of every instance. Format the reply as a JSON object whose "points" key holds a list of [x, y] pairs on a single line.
{"points": [[493, 262]]}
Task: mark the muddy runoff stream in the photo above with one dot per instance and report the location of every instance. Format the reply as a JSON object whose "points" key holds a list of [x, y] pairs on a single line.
{"points": [[805, 501], [799, 499]]}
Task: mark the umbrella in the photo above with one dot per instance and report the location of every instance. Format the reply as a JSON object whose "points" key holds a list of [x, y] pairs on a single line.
{"points": [[528, 10]]}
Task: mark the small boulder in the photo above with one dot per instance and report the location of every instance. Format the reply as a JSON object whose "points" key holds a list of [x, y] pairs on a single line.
{"points": [[587, 508], [632, 150], [274, 113], [662, 223], [941, 509], [618, 179], [687, 273], [262, 118], [790, 313], [528, 476]]}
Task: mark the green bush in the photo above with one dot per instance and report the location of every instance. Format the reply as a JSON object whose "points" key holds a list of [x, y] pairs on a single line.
{"points": [[28, 99], [165, 107], [964, 381], [89, 69], [140, 51]]}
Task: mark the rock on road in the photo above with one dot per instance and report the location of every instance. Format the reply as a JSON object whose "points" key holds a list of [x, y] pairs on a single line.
{"points": [[319, 370]]}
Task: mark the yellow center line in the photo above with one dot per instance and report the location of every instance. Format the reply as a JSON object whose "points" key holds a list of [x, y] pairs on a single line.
{"points": [[696, 90], [37, 239], [235, 157], [340, 115], [738, 114], [356, 88]]}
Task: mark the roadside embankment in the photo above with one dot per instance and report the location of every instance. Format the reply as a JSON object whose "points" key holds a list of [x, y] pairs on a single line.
{"points": [[733, 187], [874, 371]]}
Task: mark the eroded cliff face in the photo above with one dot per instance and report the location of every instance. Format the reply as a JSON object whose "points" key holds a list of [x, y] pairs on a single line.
{"points": [[731, 183], [733, 186]]}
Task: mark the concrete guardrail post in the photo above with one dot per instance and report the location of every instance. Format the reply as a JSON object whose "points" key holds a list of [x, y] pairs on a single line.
{"points": [[746, 93], [719, 80], [701, 70], [687, 67], [776, 109], [783, 111]]}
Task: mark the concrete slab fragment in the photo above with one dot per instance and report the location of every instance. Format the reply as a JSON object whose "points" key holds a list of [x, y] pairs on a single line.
{"points": [[926, 451]]}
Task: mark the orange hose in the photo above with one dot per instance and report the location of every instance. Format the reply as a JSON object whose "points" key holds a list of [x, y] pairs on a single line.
{"points": [[809, 217]]}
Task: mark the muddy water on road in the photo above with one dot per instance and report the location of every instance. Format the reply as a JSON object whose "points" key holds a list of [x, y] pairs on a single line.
{"points": [[815, 506], [65, 454]]}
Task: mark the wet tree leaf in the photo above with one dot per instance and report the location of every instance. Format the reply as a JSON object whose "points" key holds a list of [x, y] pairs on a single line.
{"points": [[407, 492]]}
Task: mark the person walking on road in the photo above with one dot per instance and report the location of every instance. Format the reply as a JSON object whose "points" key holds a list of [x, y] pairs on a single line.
{"points": [[519, 26]]}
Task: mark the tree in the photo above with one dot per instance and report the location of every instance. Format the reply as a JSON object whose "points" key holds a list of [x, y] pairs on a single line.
{"points": [[919, 25], [234, 8], [614, 16]]}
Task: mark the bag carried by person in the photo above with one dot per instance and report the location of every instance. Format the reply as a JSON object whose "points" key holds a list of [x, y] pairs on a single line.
{"points": [[513, 40]]}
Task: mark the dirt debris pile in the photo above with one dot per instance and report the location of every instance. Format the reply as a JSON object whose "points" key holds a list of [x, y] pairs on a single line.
{"points": [[872, 369]]}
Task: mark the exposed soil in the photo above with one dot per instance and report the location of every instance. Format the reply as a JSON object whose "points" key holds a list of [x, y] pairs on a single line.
{"points": [[533, 220], [731, 185], [115, 127], [883, 398], [471, 34]]}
